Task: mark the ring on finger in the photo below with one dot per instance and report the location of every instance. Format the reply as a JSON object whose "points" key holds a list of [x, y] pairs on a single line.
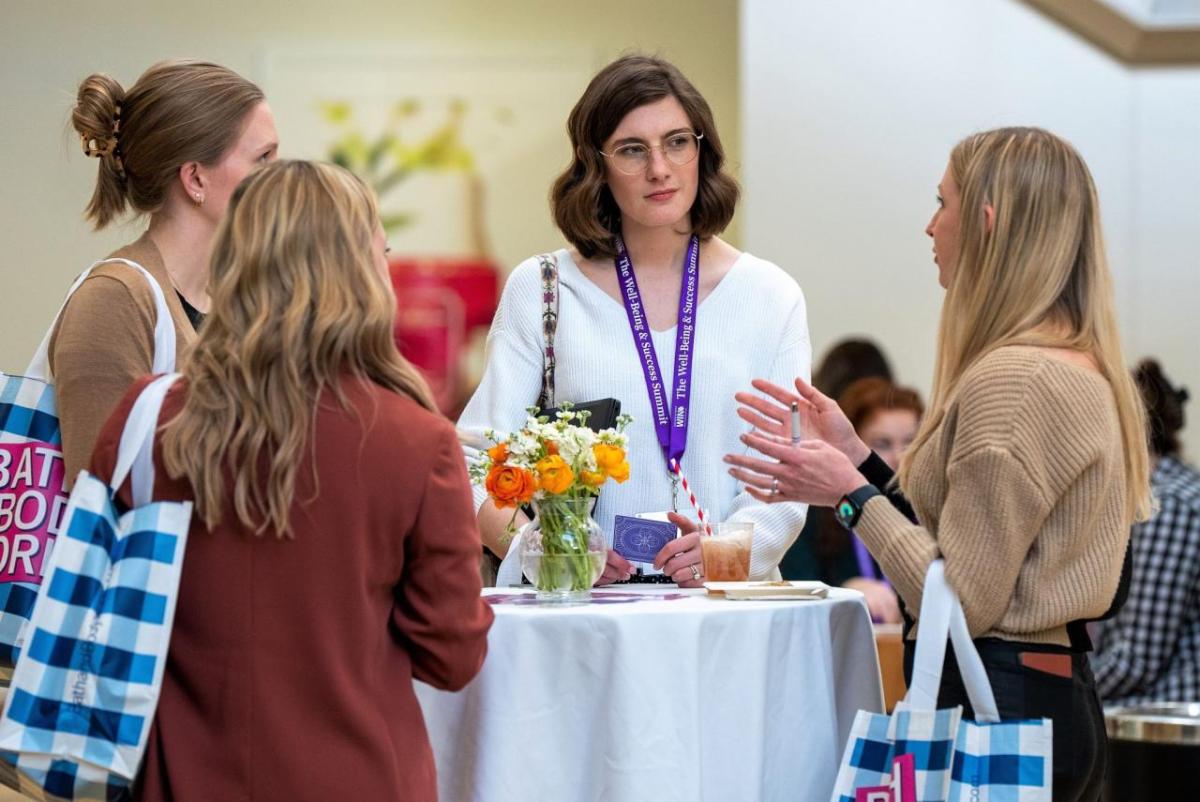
{"points": [[695, 572], [775, 486]]}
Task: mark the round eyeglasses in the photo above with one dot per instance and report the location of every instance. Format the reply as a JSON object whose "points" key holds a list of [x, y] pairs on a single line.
{"points": [[680, 148]]}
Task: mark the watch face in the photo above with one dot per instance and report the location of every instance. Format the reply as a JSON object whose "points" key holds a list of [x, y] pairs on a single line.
{"points": [[845, 510]]}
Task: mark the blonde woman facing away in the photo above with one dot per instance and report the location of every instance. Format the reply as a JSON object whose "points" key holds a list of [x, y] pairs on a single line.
{"points": [[333, 556], [173, 146], [1031, 463]]}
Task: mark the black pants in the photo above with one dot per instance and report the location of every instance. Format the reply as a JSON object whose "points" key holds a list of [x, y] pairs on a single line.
{"points": [[1080, 743]]}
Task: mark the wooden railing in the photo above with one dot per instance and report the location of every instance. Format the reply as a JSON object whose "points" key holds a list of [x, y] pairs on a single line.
{"points": [[1121, 36]]}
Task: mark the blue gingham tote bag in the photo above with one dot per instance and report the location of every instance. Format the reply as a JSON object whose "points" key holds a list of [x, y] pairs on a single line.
{"points": [[32, 499], [922, 754], [86, 685]]}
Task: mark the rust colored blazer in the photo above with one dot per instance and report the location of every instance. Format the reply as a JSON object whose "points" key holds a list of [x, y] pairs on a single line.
{"points": [[291, 667]]}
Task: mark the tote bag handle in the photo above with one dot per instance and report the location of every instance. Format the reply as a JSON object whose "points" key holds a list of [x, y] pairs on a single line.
{"points": [[942, 616], [164, 327], [136, 451]]}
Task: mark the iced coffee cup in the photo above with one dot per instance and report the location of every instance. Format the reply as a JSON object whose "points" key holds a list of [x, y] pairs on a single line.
{"points": [[726, 553]]}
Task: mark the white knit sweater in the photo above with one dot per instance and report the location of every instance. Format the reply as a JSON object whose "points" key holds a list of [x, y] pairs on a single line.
{"points": [[752, 325]]}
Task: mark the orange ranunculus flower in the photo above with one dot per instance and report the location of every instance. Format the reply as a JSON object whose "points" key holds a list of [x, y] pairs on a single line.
{"points": [[608, 457], [620, 473], [592, 478], [498, 453], [551, 448], [554, 474], [510, 486]]}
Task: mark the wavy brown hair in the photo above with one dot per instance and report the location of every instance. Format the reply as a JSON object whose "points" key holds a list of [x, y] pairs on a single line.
{"points": [[297, 304], [177, 112], [1039, 277], [584, 208]]}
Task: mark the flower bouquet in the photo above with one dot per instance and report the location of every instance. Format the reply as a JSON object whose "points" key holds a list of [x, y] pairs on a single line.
{"points": [[558, 466]]}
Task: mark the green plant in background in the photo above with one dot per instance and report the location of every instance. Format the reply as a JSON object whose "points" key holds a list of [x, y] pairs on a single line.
{"points": [[390, 158]]}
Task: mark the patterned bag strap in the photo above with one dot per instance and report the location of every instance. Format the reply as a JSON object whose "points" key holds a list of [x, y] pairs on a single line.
{"points": [[548, 263]]}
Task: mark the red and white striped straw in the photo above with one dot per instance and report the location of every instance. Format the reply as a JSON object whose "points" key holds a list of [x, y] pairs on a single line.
{"points": [[691, 497]]}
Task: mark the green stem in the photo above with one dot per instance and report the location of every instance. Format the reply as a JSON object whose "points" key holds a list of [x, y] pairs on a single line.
{"points": [[564, 528]]}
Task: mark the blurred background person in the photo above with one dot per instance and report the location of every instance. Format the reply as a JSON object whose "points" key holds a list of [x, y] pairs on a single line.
{"points": [[846, 362], [886, 418], [1151, 650], [820, 552], [172, 147], [333, 554]]}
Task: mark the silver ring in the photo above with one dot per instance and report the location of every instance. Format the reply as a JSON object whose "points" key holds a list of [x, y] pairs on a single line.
{"points": [[775, 486], [695, 572]]}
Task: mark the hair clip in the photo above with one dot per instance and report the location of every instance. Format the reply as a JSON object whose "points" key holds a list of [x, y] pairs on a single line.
{"points": [[95, 146]]}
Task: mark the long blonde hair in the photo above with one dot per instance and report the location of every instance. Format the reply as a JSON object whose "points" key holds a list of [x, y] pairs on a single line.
{"points": [[1039, 277], [296, 303]]}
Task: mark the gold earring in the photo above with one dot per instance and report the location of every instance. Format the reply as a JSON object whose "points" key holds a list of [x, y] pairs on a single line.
{"points": [[199, 200]]}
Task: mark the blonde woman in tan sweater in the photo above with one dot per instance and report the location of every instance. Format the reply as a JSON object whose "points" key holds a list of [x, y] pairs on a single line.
{"points": [[171, 147], [1032, 462]]}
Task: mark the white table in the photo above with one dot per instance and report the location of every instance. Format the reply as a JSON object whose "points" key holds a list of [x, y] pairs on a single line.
{"points": [[688, 698]]}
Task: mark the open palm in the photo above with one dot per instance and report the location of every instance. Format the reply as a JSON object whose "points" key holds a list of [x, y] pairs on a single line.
{"points": [[821, 417]]}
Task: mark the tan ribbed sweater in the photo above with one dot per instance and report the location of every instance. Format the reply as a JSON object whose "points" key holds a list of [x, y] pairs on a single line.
{"points": [[1021, 489], [104, 341]]}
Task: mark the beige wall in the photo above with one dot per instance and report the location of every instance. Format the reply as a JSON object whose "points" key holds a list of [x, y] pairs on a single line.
{"points": [[871, 103], [45, 48]]}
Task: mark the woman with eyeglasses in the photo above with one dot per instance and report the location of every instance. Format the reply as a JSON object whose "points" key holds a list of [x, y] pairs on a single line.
{"points": [[647, 290]]}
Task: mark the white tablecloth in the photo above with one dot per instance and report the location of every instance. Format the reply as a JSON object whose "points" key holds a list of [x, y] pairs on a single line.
{"points": [[658, 699]]}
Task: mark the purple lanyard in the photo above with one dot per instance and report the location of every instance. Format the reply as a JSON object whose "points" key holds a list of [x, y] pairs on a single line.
{"points": [[866, 566], [670, 414]]}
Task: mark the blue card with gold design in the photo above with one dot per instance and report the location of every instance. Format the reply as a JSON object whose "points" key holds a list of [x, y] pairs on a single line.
{"points": [[640, 539]]}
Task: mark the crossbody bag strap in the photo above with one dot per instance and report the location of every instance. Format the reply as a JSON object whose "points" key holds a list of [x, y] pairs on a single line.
{"points": [[548, 263]]}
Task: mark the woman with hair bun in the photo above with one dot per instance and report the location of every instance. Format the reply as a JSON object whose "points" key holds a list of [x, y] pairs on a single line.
{"points": [[648, 288], [172, 147]]}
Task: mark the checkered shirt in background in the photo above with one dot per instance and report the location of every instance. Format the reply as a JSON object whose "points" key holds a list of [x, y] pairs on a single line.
{"points": [[1151, 650]]}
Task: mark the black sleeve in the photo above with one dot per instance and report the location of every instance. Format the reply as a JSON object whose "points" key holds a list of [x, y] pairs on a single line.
{"points": [[880, 475]]}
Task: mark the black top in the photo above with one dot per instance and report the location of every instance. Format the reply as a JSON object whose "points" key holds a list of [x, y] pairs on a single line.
{"points": [[193, 314]]}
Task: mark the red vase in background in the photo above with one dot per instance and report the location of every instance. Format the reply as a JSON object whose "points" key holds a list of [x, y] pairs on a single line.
{"points": [[441, 302]]}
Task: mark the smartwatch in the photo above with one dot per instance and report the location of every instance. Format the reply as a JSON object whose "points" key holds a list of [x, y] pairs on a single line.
{"points": [[850, 508]]}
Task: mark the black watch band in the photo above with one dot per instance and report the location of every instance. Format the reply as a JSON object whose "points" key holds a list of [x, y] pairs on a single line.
{"points": [[850, 508]]}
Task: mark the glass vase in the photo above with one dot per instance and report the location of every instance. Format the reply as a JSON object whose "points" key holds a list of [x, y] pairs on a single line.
{"points": [[562, 549]]}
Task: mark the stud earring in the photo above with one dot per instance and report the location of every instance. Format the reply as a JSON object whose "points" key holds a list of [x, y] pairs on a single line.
{"points": [[199, 199]]}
